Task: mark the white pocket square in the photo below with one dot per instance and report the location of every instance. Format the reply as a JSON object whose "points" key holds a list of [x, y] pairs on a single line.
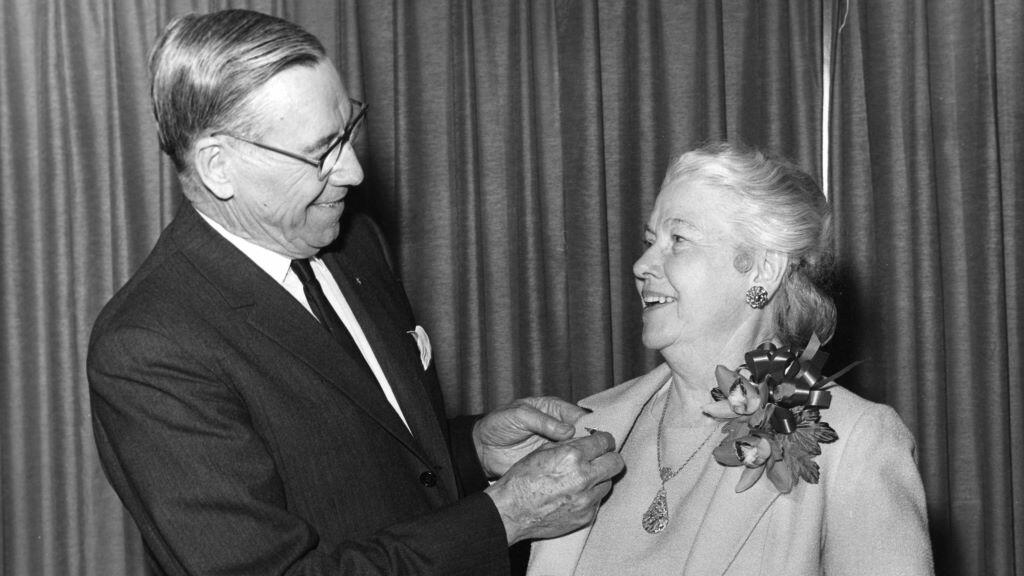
{"points": [[423, 343]]}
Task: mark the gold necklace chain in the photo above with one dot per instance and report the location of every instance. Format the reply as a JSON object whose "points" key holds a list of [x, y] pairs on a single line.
{"points": [[655, 518]]}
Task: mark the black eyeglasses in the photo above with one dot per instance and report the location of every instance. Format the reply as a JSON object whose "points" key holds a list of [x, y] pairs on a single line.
{"points": [[326, 162]]}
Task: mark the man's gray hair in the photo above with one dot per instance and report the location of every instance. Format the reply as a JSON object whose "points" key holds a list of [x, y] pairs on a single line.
{"points": [[205, 68]]}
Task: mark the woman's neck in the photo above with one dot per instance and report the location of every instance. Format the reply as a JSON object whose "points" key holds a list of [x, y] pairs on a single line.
{"points": [[693, 366], [686, 399]]}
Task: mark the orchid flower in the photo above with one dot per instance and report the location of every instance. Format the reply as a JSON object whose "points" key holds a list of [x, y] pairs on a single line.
{"points": [[740, 396]]}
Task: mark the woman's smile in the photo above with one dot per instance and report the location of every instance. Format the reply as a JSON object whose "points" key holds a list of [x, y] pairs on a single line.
{"points": [[653, 300]]}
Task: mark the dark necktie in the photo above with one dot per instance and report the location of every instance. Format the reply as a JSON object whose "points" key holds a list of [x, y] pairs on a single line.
{"points": [[322, 309], [324, 312]]}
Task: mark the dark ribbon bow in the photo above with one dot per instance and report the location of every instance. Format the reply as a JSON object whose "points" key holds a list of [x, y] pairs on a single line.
{"points": [[793, 379]]}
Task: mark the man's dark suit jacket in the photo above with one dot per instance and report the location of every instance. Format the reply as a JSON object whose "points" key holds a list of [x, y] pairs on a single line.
{"points": [[244, 440]]}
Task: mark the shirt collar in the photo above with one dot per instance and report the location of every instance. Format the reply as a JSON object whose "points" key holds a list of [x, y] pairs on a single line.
{"points": [[271, 262]]}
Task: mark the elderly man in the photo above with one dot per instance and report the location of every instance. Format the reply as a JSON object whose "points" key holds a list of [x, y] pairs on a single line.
{"points": [[263, 398]]}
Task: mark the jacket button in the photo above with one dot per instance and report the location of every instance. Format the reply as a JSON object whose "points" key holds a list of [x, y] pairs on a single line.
{"points": [[428, 479]]}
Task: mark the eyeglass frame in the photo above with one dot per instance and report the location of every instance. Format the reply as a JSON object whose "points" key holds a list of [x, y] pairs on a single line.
{"points": [[323, 171]]}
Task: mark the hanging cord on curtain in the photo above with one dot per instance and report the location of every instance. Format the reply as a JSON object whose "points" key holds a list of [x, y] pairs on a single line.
{"points": [[831, 32]]}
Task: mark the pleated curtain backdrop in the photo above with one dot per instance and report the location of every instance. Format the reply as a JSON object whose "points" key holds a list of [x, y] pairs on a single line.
{"points": [[513, 150], [929, 157], [522, 145]]}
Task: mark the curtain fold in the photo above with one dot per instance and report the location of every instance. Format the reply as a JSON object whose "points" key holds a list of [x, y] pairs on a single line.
{"points": [[529, 142], [928, 197], [513, 150]]}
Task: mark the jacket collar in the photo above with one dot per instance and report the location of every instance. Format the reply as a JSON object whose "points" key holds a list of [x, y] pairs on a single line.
{"points": [[269, 309], [730, 519], [388, 339], [614, 411]]}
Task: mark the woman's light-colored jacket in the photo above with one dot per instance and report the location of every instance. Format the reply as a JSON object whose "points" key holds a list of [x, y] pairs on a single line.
{"points": [[865, 516]]}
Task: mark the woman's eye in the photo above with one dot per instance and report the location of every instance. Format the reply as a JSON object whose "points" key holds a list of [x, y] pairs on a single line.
{"points": [[676, 239]]}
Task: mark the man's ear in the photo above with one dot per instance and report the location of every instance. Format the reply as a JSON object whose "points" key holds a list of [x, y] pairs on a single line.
{"points": [[769, 270], [210, 160]]}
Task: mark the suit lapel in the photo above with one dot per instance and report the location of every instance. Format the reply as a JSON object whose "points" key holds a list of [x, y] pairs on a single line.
{"points": [[392, 346], [282, 319], [276, 314]]}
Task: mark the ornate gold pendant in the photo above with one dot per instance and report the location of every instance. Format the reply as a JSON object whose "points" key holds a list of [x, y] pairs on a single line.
{"points": [[656, 517]]}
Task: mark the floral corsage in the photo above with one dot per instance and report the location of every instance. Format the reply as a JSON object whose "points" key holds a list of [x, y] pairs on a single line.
{"points": [[773, 405]]}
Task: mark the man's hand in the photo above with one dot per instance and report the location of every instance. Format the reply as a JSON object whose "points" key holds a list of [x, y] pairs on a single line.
{"points": [[557, 488], [506, 435]]}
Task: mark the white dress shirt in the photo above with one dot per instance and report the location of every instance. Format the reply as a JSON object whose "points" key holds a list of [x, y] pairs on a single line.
{"points": [[279, 268]]}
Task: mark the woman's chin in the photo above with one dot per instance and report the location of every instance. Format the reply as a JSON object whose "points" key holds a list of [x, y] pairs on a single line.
{"points": [[653, 342]]}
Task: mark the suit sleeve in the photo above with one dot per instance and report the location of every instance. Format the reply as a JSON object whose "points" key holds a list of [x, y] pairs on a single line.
{"points": [[876, 521], [177, 443], [468, 470]]}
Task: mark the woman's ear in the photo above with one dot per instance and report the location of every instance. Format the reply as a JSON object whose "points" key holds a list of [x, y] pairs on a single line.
{"points": [[210, 160], [769, 270]]}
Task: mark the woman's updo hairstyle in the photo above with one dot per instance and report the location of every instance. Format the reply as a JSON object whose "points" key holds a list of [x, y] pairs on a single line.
{"points": [[780, 208]]}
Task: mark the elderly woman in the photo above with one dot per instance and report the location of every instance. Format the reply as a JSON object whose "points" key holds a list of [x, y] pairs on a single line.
{"points": [[777, 470]]}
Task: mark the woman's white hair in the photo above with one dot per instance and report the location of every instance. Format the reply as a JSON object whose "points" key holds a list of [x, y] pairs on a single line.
{"points": [[780, 208]]}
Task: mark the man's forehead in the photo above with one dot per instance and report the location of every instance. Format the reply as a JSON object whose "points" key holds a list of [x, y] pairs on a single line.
{"points": [[303, 98]]}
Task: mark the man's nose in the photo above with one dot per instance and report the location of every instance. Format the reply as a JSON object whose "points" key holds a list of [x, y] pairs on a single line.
{"points": [[347, 171]]}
